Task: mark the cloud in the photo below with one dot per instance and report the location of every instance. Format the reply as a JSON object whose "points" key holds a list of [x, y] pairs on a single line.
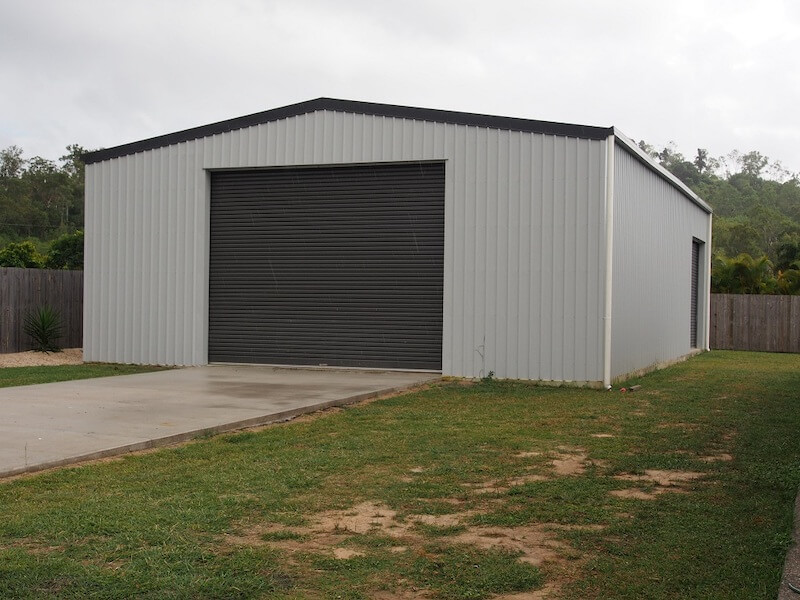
{"points": [[714, 74]]}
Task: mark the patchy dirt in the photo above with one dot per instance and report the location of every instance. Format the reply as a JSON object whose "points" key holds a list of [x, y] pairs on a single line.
{"points": [[70, 356], [546, 592], [493, 486], [574, 463], [662, 477], [662, 480], [345, 553], [535, 543], [566, 461], [602, 435], [400, 595], [331, 533], [722, 457], [637, 494], [527, 479], [362, 518]]}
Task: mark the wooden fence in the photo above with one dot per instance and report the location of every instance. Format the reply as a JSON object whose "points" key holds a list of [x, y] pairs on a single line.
{"points": [[752, 322], [22, 290]]}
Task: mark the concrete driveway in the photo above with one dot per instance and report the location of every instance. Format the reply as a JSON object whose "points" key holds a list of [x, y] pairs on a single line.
{"points": [[56, 424]]}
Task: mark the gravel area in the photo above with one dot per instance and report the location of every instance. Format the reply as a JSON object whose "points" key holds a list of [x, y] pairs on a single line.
{"points": [[70, 356]]}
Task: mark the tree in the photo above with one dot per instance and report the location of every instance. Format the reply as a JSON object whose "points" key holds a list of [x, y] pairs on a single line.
{"points": [[66, 252], [75, 169], [788, 251], [753, 163], [701, 160], [11, 162], [49, 189]]}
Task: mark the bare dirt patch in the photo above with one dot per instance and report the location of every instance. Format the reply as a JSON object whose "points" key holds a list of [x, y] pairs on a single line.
{"points": [[332, 533], [535, 543], [527, 479], [602, 435], [70, 356], [361, 519], [721, 457], [346, 553], [637, 494], [546, 592], [570, 464], [662, 477], [659, 481], [401, 595]]}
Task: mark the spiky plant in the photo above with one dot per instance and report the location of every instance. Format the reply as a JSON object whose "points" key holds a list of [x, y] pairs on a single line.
{"points": [[44, 326]]}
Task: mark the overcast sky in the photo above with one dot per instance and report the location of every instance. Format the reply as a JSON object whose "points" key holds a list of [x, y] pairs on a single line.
{"points": [[721, 75]]}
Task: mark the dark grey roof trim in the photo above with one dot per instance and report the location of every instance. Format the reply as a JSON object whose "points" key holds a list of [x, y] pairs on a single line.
{"points": [[368, 108]]}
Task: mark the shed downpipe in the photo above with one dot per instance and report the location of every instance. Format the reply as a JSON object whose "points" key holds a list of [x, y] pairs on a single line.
{"points": [[708, 285], [609, 261]]}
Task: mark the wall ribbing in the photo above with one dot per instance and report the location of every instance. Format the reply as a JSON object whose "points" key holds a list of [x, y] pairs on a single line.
{"points": [[523, 239], [654, 225]]}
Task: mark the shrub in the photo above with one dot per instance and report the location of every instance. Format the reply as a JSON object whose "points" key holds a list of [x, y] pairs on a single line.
{"points": [[66, 252], [22, 255], [44, 326]]}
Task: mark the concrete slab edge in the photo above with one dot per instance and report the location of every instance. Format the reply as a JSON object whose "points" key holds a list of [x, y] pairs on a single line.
{"points": [[280, 417], [791, 565]]}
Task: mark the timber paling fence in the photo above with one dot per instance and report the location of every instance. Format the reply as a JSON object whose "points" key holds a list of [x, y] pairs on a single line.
{"points": [[755, 322], [24, 290]]}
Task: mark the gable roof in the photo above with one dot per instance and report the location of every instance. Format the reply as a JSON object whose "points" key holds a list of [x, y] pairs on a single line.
{"points": [[350, 106], [403, 112]]}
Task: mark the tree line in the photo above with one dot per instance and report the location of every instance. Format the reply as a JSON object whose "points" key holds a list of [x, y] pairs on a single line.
{"points": [[756, 202], [41, 210], [756, 226]]}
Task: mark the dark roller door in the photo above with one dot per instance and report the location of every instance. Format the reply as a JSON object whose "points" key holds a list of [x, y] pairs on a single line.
{"points": [[695, 287], [339, 266]]}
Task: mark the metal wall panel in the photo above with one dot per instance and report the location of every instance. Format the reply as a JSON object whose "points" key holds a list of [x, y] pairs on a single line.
{"points": [[523, 239], [654, 225]]}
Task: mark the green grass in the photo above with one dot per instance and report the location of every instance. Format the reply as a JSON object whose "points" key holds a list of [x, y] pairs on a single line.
{"points": [[238, 516], [16, 376]]}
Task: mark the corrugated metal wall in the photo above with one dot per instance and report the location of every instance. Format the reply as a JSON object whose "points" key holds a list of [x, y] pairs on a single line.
{"points": [[523, 240], [654, 225]]}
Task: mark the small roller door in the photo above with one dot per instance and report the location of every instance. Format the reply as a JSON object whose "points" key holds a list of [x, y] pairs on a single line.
{"points": [[694, 299], [339, 266]]}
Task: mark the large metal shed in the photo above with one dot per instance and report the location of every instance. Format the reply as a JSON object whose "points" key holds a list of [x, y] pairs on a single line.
{"points": [[355, 234]]}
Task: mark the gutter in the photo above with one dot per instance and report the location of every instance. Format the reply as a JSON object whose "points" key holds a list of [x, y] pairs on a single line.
{"points": [[609, 238]]}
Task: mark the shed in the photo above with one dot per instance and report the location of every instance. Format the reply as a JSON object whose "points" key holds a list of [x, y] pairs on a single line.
{"points": [[354, 234]]}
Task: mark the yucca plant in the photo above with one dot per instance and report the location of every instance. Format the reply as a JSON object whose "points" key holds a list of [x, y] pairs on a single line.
{"points": [[44, 326]]}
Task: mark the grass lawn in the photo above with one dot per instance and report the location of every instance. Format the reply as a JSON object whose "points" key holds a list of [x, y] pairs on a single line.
{"points": [[16, 376], [683, 489]]}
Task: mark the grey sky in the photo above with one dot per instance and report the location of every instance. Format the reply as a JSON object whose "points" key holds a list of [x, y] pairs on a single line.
{"points": [[720, 75]]}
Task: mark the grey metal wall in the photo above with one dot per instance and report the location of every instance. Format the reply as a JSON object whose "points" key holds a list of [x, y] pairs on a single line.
{"points": [[523, 240], [654, 225]]}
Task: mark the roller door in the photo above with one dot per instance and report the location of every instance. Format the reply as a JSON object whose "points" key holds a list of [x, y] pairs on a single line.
{"points": [[338, 266], [694, 300]]}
